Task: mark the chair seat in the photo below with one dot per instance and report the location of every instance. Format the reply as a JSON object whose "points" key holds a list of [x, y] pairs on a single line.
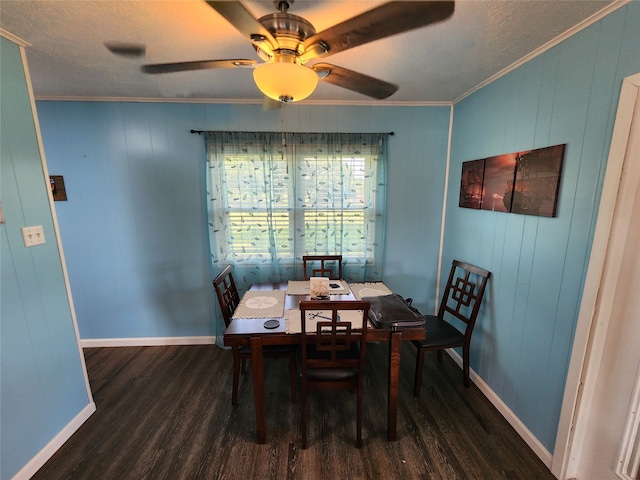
{"points": [[331, 374], [439, 333], [269, 350], [352, 353]]}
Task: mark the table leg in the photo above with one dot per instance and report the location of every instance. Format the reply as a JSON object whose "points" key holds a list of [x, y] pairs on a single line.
{"points": [[257, 371], [394, 384]]}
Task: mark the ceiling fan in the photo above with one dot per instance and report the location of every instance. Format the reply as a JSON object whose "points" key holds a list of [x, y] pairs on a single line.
{"points": [[286, 42]]}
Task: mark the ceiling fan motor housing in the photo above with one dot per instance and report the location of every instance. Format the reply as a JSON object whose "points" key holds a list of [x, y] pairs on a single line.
{"points": [[290, 31]]}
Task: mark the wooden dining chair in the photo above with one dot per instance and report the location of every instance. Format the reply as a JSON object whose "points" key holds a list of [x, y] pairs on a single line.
{"points": [[329, 265], [460, 304], [228, 298], [333, 351]]}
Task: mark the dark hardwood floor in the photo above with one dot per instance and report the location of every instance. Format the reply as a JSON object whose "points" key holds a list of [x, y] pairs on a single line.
{"points": [[165, 413]]}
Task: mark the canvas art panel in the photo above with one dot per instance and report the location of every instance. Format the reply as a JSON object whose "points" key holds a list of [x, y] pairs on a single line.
{"points": [[471, 184]]}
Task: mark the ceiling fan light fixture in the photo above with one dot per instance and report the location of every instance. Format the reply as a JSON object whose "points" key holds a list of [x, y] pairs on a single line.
{"points": [[286, 82]]}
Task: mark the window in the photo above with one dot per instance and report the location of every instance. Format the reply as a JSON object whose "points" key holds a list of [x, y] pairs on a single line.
{"points": [[271, 202]]}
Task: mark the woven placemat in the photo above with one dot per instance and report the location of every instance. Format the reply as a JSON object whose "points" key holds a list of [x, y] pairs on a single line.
{"points": [[369, 289], [292, 319], [301, 287], [261, 304]]}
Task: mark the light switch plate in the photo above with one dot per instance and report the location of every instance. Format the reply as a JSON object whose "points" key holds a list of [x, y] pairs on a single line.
{"points": [[33, 235]]}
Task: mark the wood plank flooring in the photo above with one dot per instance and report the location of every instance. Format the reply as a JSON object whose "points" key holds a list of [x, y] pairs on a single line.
{"points": [[165, 413]]}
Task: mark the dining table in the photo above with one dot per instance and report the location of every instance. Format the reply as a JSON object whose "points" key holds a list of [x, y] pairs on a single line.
{"points": [[251, 331]]}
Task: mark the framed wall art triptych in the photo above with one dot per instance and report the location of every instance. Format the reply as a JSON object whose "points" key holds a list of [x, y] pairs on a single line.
{"points": [[521, 182]]}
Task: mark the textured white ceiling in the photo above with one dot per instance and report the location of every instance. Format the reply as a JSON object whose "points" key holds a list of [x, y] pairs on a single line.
{"points": [[435, 64]]}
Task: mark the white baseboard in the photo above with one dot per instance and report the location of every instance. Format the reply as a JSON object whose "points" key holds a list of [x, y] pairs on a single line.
{"points": [[506, 412], [56, 442], [145, 342]]}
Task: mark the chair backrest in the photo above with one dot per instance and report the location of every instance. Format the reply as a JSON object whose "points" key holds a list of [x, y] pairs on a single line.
{"points": [[329, 265], [463, 293], [335, 335], [227, 293]]}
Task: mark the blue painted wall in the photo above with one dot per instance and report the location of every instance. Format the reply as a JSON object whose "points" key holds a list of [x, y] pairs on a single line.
{"points": [[43, 384], [522, 342], [134, 223]]}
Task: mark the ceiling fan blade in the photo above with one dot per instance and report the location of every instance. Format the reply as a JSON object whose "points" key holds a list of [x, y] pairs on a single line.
{"points": [[197, 65], [244, 22], [383, 21], [124, 49], [357, 82]]}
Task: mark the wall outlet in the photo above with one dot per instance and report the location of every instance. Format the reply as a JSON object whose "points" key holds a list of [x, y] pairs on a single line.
{"points": [[33, 235]]}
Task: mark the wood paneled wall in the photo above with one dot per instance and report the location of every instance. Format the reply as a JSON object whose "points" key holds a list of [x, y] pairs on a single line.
{"points": [[43, 379], [569, 94], [134, 225]]}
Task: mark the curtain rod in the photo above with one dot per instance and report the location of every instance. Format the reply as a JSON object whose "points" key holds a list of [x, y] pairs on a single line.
{"points": [[200, 132]]}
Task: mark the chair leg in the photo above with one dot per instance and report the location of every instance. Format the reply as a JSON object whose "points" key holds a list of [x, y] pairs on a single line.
{"points": [[293, 370], [465, 366], [303, 418], [359, 418], [417, 382], [236, 376], [244, 366], [440, 355]]}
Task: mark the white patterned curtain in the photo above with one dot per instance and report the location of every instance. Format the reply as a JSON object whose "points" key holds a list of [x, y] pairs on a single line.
{"points": [[274, 198]]}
